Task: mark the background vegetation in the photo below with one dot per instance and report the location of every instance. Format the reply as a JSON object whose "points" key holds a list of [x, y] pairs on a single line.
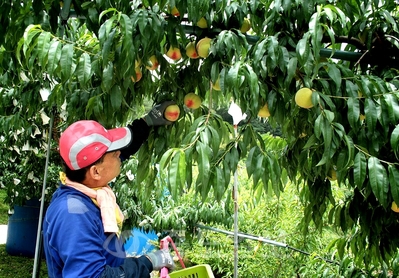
{"points": [[84, 55]]}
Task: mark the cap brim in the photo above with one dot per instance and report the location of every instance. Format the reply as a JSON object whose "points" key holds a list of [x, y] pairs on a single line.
{"points": [[121, 138]]}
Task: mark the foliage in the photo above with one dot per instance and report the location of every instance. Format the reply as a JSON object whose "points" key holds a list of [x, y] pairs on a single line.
{"points": [[275, 219], [23, 155], [152, 207], [346, 51]]}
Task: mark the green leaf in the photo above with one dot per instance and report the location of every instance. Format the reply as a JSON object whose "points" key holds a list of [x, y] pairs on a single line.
{"points": [[30, 37], [394, 182], [378, 180], [395, 140], [66, 62], [176, 173], [203, 169], [311, 142], [54, 56], [371, 114], [106, 48], [391, 20], [259, 169], [316, 33], [353, 111], [303, 49], [43, 45], [335, 74], [393, 107], [351, 150], [215, 142], [291, 70], [253, 82], [359, 169], [128, 51], [116, 97], [232, 78], [250, 162], [219, 184], [83, 70], [165, 159], [107, 78]]}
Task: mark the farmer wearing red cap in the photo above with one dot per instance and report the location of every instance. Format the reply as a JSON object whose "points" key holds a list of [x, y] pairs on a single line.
{"points": [[82, 225]]}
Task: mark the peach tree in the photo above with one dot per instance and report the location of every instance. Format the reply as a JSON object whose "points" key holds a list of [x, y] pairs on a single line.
{"points": [[97, 59]]}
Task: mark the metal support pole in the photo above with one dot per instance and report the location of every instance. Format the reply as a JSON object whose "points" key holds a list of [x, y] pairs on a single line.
{"points": [[39, 227], [235, 199]]}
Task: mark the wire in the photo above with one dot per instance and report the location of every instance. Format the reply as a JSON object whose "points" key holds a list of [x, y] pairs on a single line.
{"points": [[265, 240]]}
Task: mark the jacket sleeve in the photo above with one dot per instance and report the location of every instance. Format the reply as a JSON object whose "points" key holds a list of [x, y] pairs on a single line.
{"points": [[79, 248], [131, 268], [140, 132]]}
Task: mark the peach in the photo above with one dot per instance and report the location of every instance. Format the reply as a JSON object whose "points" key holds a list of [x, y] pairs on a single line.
{"points": [[246, 25], [175, 11], [153, 63], [264, 111], [192, 100], [202, 23], [172, 112], [191, 51], [174, 53], [203, 46], [138, 76], [216, 86]]}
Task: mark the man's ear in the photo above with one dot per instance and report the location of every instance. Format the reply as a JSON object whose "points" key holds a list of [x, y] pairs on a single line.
{"points": [[94, 172]]}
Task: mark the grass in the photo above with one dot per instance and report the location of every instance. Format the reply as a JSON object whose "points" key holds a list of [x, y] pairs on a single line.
{"points": [[15, 266], [3, 208]]}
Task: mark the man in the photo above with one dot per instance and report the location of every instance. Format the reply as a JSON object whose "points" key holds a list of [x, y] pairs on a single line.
{"points": [[82, 225]]}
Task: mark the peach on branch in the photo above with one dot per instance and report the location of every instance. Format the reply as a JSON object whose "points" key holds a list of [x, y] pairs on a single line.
{"points": [[202, 23], [303, 98], [152, 63], [264, 111], [216, 85], [192, 100], [138, 75], [174, 11], [203, 46], [191, 51], [174, 53], [246, 25]]}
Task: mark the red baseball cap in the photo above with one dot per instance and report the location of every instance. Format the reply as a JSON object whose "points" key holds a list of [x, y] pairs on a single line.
{"points": [[85, 142]]}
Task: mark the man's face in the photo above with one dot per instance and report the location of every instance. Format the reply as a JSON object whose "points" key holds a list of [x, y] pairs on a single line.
{"points": [[110, 167]]}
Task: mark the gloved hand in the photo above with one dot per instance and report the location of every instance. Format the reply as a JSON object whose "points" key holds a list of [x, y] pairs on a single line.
{"points": [[160, 259], [156, 116]]}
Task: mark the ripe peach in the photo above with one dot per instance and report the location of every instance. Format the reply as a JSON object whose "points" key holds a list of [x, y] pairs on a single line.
{"points": [[192, 100], [191, 51], [172, 112], [175, 11], [138, 76], [203, 46], [153, 63], [174, 53]]}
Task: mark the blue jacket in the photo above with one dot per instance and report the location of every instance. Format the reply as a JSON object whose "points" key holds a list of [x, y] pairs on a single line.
{"points": [[73, 235], [73, 251]]}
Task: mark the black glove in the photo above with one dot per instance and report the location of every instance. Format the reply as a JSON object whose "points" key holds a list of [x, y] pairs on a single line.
{"points": [[156, 116], [160, 259]]}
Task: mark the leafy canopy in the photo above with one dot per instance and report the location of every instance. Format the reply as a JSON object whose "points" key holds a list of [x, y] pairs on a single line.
{"points": [[345, 51]]}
